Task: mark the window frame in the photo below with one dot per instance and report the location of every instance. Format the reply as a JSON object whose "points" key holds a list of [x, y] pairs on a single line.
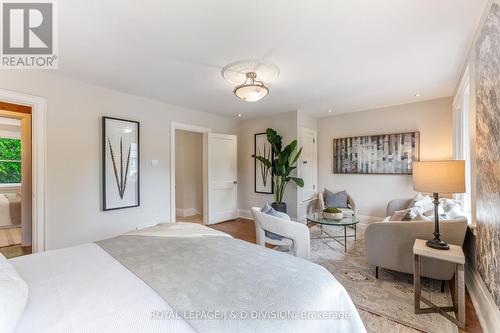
{"points": [[464, 128]]}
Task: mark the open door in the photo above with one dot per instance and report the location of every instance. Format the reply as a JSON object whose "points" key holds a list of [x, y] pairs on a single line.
{"points": [[308, 164], [222, 178]]}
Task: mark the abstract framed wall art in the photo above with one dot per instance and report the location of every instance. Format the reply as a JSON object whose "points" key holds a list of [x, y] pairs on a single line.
{"points": [[388, 154], [120, 163], [263, 178]]}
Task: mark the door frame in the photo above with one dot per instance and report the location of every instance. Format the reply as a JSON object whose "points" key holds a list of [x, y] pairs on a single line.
{"points": [[197, 129], [38, 161]]}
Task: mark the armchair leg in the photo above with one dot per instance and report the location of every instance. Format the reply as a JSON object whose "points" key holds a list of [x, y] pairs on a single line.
{"points": [[376, 272], [442, 286]]}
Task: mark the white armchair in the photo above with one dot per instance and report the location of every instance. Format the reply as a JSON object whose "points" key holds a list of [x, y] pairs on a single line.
{"points": [[351, 204], [294, 234]]}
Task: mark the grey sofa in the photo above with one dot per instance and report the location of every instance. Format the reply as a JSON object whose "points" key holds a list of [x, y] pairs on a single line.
{"points": [[390, 244]]}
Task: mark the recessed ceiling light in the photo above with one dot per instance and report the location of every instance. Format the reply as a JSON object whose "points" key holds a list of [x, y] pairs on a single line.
{"points": [[417, 95], [330, 111], [240, 115]]}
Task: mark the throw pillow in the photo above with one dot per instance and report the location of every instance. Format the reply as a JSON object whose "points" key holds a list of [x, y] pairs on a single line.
{"points": [[401, 215], [267, 209], [336, 200], [417, 197]]}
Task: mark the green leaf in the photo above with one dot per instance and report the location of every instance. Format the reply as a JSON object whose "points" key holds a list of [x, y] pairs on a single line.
{"points": [[298, 181], [274, 139], [297, 156], [263, 160]]}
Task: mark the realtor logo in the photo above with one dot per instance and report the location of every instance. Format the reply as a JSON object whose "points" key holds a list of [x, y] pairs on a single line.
{"points": [[28, 32]]}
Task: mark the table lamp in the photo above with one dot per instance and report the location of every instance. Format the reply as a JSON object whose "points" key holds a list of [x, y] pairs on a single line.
{"points": [[439, 177]]}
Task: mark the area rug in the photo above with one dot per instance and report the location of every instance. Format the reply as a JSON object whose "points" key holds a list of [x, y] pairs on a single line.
{"points": [[385, 304]]}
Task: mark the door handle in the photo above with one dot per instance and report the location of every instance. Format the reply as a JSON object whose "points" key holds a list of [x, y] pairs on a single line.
{"points": [[304, 162], [235, 182]]}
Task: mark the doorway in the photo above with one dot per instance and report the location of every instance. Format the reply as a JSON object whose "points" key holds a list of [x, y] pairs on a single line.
{"points": [[189, 194], [15, 180]]}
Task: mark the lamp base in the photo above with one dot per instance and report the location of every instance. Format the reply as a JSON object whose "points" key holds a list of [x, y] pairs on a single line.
{"points": [[437, 244]]}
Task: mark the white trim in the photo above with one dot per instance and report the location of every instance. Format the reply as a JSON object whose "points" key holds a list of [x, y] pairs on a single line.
{"points": [[38, 119], [191, 128], [486, 309], [183, 212]]}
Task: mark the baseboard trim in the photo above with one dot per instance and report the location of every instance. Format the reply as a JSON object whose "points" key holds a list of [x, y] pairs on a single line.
{"points": [[245, 214], [486, 309], [183, 212]]}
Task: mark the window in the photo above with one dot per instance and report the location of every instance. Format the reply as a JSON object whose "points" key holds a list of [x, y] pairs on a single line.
{"points": [[463, 129], [10, 161]]}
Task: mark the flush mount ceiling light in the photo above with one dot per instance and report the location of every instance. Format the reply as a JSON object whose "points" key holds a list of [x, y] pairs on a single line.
{"points": [[250, 76], [251, 90]]}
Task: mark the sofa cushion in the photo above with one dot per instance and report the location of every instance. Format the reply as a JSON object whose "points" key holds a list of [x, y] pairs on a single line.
{"points": [[336, 200]]}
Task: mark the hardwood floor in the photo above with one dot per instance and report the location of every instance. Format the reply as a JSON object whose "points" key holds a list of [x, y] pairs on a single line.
{"points": [[15, 251], [245, 230]]}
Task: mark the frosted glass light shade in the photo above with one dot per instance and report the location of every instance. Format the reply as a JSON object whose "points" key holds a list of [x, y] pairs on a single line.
{"points": [[439, 176], [251, 92]]}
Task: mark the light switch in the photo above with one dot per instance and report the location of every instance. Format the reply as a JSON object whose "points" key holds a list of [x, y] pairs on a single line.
{"points": [[155, 163]]}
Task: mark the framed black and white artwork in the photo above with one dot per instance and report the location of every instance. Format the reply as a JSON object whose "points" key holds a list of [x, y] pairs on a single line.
{"points": [[389, 154], [120, 163], [263, 178]]}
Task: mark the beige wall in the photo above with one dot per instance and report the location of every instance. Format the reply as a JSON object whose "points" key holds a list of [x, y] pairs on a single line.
{"points": [[188, 173], [372, 192], [73, 190], [286, 125]]}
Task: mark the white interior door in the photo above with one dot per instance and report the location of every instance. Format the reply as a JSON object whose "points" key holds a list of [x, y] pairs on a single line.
{"points": [[222, 177], [308, 164]]}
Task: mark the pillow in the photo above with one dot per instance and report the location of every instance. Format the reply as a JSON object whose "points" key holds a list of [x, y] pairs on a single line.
{"points": [[418, 197], [401, 215], [267, 209], [336, 200], [13, 296]]}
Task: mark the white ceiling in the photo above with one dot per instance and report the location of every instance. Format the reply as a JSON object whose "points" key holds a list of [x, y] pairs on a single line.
{"points": [[333, 54]]}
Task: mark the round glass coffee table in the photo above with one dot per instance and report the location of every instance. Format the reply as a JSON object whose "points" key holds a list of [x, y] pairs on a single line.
{"points": [[351, 222]]}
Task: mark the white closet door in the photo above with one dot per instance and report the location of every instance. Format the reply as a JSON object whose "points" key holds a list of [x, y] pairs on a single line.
{"points": [[222, 177]]}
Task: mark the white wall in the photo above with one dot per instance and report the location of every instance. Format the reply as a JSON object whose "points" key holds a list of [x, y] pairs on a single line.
{"points": [[73, 190], [286, 125], [188, 173], [372, 192]]}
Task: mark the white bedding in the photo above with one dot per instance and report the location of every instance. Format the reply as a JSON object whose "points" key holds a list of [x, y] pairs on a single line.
{"points": [[83, 289], [179, 229]]}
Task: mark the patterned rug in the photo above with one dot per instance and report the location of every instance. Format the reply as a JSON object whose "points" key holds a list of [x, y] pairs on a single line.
{"points": [[385, 304]]}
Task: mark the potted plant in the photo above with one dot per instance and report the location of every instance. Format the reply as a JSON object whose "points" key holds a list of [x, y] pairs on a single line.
{"points": [[282, 165], [333, 213]]}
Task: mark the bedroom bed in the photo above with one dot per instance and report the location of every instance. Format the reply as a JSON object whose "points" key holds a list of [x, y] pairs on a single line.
{"points": [[180, 278]]}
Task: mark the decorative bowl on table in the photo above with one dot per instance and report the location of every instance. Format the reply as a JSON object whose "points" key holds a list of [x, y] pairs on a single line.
{"points": [[333, 214]]}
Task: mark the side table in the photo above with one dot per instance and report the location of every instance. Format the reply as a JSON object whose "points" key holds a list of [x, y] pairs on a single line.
{"points": [[454, 255]]}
